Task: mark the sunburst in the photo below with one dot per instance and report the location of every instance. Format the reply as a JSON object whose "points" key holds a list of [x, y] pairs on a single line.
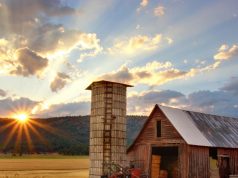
{"points": [[22, 117], [22, 128]]}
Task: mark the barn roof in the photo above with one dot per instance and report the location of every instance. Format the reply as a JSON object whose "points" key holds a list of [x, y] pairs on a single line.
{"points": [[201, 129]]}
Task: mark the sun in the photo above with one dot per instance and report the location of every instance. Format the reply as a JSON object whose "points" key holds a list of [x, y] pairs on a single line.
{"points": [[22, 117]]}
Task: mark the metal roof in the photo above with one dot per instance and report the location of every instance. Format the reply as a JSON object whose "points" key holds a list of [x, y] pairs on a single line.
{"points": [[203, 129], [185, 126]]}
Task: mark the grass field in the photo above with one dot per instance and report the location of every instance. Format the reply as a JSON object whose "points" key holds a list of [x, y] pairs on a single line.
{"points": [[43, 166]]}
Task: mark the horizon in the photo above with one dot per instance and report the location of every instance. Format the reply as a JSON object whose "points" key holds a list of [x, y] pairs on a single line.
{"points": [[177, 53]]}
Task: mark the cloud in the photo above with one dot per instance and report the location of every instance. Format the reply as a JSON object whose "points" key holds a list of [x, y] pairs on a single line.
{"points": [[145, 74], [31, 12], [55, 38], [29, 63], [9, 106], [137, 44], [68, 109], [3, 93], [34, 29], [59, 82], [30, 8], [231, 86], [154, 73], [159, 11], [225, 53], [143, 4], [143, 103], [122, 75], [213, 102]]}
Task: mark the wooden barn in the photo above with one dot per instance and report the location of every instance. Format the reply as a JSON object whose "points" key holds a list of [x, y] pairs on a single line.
{"points": [[176, 143]]}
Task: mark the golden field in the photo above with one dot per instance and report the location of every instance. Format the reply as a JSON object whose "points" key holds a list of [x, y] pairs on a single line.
{"points": [[44, 167]]}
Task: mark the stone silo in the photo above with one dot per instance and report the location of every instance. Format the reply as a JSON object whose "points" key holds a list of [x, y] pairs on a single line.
{"points": [[107, 126]]}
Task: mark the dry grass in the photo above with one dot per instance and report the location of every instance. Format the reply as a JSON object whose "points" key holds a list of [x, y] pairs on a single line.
{"points": [[43, 168]]}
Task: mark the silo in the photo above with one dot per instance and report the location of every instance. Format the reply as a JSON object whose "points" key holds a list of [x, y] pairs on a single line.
{"points": [[107, 126]]}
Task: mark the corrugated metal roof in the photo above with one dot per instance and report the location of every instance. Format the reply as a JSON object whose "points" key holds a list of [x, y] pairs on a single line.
{"points": [[185, 126], [203, 129]]}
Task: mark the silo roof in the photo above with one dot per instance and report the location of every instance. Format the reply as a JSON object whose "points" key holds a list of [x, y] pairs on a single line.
{"points": [[106, 81]]}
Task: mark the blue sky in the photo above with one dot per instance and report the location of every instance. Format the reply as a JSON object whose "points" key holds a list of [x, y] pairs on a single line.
{"points": [[178, 53]]}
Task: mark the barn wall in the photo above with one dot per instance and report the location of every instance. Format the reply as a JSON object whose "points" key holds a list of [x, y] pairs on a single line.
{"points": [[233, 153], [139, 157], [198, 162], [183, 161], [140, 153]]}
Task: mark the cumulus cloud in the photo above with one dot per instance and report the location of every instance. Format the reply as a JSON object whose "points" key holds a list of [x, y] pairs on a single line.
{"points": [[225, 53], [9, 106], [55, 38], [159, 11], [67, 109], [25, 13], [29, 63], [59, 82], [154, 73], [145, 74], [214, 102], [3, 93], [138, 44], [143, 4], [231, 86], [34, 29], [142, 103]]}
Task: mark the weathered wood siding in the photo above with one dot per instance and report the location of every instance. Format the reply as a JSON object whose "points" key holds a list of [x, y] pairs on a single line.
{"points": [[233, 154], [168, 132], [199, 164], [183, 161]]}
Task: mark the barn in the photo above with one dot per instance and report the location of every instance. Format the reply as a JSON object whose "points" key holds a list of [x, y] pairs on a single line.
{"points": [[176, 143]]}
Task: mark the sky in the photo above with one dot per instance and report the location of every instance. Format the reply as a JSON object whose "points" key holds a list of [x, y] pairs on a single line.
{"points": [[178, 53]]}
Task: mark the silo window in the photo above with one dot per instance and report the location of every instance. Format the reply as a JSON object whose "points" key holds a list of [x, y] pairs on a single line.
{"points": [[158, 128]]}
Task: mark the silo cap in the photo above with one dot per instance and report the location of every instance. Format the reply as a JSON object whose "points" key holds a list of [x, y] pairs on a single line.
{"points": [[105, 81]]}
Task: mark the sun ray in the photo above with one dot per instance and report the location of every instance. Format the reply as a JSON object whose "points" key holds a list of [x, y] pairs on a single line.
{"points": [[11, 134], [18, 143], [4, 127], [48, 128], [28, 138], [37, 133]]}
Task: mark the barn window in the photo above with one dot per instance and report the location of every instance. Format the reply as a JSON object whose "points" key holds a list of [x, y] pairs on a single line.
{"points": [[158, 129]]}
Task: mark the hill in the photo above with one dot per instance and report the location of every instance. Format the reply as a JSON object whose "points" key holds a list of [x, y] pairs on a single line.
{"points": [[65, 135]]}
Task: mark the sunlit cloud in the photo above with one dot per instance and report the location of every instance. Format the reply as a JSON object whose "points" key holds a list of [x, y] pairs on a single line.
{"points": [[225, 53], [159, 11], [143, 4], [3, 93], [59, 82], [137, 44], [155, 73], [32, 30], [29, 63]]}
